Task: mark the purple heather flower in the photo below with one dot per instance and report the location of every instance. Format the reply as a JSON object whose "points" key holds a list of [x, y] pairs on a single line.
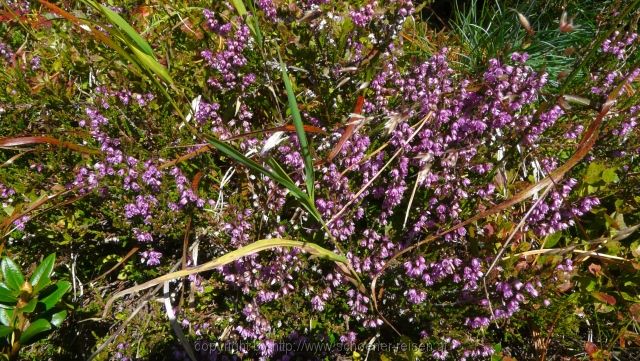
{"points": [[364, 15], [151, 175], [477, 322], [268, 7], [35, 63], [227, 62], [415, 296], [142, 236], [348, 338], [266, 348], [151, 257], [141, 207], [187, 194], [21, 222], [617, 45], [440, 354], [629, 124], [317, 304], [5, 52], [547, 119], [6, 192]]}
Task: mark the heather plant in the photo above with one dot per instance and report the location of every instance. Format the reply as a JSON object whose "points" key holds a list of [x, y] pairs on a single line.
{"points": [[327, 172]]}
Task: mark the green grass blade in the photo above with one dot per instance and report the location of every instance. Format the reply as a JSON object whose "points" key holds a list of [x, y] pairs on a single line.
{"points": [[151, 64], [118, 21], [306, 202], [251, 21], [143, 55], [240, 8], [277, 168], [232, 256], [277, 175], [254, 21], [302, 136], [234, 154]]}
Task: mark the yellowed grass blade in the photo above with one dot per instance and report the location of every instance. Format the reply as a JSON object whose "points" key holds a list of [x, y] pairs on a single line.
{"points": [[232, 256]]}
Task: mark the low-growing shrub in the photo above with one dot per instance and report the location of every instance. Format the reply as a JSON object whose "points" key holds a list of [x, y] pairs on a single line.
{"points": [[441, 192]]}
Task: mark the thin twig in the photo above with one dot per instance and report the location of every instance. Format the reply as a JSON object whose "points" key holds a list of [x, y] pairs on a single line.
{"points": [[397, 153], [506, 244]]}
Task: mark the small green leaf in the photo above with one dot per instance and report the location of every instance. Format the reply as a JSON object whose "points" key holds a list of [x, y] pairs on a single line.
{"points": [[604, 298], [13, 277], [627, 297], [38, 326], [594, 172], [497, 347], [52, 298], [58, 317], [609, 176], [40, 277], [552, 239], [613, 247]]}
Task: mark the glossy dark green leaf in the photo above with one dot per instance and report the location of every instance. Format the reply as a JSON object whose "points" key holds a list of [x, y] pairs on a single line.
{"points": [[8, 296], [36, 327], [40, 277], [44, 283], [5, 330], [30, 306], [52, 298], [13, 277], [58, 317]]}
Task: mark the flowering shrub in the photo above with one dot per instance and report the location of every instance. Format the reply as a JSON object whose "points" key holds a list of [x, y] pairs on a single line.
{"points": [[471, 210]]}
